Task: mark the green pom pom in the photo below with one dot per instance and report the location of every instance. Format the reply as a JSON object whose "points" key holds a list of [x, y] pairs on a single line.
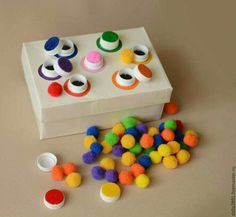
{"points": [[136, 149], [129, 122], [183, 146], [148, 150], [170, 124], [111, 138]]}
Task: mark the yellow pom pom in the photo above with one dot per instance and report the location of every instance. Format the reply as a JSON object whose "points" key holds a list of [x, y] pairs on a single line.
{"points": [[73, 180], [164, 150], [174, 146], [128, 158], [107, 148], [142, 181], [153, 131], [170, 162], [127, 56], [155, 157], [127, 141], [118, 129], [191, 132], [107, 163], [183, 156], [88, 140]]}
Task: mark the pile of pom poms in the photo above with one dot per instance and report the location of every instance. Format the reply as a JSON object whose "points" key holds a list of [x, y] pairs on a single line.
{"points": [[68, 171], [138, 147]]}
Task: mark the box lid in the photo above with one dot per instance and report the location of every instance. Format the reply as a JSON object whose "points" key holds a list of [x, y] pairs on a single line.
{"points": [[103, 96]]}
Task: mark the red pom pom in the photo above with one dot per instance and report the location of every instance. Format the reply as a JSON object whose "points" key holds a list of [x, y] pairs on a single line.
{"points": [[55, 89]]}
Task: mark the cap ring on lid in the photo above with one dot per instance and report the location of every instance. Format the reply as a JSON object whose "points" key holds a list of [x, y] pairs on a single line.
{"points": [[47, 70], [63, 66], [52, 46], [142, 73], [46, 161], [54, 199]]}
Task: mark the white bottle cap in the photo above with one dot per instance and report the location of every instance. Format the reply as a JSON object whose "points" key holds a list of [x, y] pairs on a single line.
{"points": [[77, 84], [140, 53], [54, 199], [67, 48], [46, 161], [125, 77], [142, 73]]}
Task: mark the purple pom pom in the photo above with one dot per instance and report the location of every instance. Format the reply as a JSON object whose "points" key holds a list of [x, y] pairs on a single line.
{"points": [[89, 157], [98, 172], [117, 150], [111, 175], [142, 128]]}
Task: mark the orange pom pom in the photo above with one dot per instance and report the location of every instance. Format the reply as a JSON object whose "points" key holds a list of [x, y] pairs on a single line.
{"points": [[146, 141], [126, 177], [171, 108], [191, 140], [137, 169], [69, 168], [168, 135], [57, 173]]}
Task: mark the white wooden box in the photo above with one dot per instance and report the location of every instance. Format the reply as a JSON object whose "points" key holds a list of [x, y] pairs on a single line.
{"points": [[105, 104]]}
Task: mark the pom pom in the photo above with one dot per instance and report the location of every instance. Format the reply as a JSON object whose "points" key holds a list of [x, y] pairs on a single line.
{"points": [[191, 140], [111, 138], [174, 146], [146, 141], [137, 169], [98, 172], [93, 131], [126, 178], [179, 136], [96, 148], [133, 131], [88, 140], [164, 150], [184, 146], [183, 156], [136, 149], [145, 161], [73, 180], [129, 122], [168, 135], [127, 56], [107, 148], [127, 141], [128, 158], [118, 129], [107, 163], [170, 162], [148, 150], [57, 173], [142, 181], [191, 132], [157, 140], [153, 131], [89, 157], [171, 124], [69, 168], [111, 176], [142, 128], [117, 150], [155, 157], [171, 108], [55, 89], [161, 127], [180, 125]]}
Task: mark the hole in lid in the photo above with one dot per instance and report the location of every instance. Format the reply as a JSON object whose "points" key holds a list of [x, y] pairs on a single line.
{"points": [[49, 67], [125, 76], [65, 47], [78, 83], [139, 52]]}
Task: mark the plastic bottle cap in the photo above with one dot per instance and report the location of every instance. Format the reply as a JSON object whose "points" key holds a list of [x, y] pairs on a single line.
{"points": [[54, 199], [110, 192], [53, 45], [46, 161], [142, 73]]}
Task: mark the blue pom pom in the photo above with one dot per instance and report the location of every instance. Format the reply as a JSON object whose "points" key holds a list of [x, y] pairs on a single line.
{"points": [[96, 148], [161, 126], [145, 161], [133, 131], [158, 140], [142, 128], [89, 157], [179, 136], [93, 131]]}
